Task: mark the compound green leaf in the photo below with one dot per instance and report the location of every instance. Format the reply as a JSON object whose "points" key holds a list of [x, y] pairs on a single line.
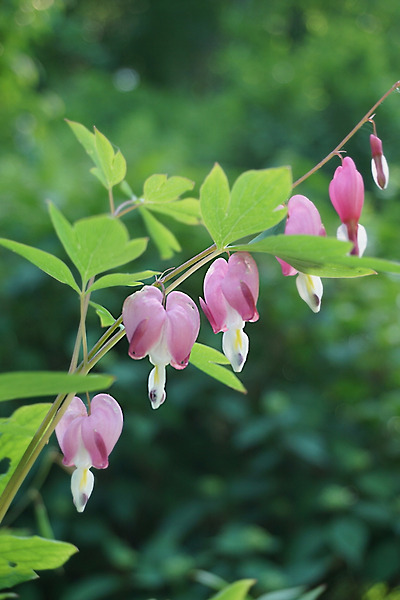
{"points": [[185, 211], [214, 201]]}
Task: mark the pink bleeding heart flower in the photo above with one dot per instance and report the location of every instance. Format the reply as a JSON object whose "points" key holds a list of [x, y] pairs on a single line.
{"points": [[379, 166], [304, 219], [165, 335], [231, 292], [86, 440], [346, 191]]}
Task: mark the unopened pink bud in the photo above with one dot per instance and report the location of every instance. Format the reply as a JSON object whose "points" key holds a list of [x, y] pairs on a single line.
{"points": [[379, 166], [346, 191]]}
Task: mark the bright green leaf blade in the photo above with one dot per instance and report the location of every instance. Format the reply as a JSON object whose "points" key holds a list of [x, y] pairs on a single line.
{"points": [[214, 200], [118, 168], [32, 384], [86, 138], [124, 279], [106, 318], [64, 231], [48, 263], [96, 244], [163, 238], [235, 591], [209, 361], [255, 197], [19, 556], [160, 188], [105, 155], [317, 255], [185, 211], [97, 172], [16, 434]]}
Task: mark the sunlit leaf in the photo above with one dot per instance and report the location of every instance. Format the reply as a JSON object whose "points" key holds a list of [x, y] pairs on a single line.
{"points": [[123, 279], [214, 201], [48, 263], [185, 211], [210, 360], [163, 238], [160, 188], [317, 255], [32, 384], [21, 556], [235, 591]]}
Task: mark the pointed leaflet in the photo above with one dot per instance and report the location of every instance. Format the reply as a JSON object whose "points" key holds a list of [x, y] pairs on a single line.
{"points": [[16, 434], [163, 238], [250, 208], [48, 263], [32, 384], [160, 188], [214, 200], [126, 279], [185, 211], [19, 556], [96, 244], [321, 256], [110, 167], [209, 361], [106, 318], [235, 591]]}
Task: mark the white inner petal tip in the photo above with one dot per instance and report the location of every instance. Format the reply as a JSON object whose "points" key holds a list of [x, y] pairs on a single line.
{"points": [[235, 346], [310, 290]]}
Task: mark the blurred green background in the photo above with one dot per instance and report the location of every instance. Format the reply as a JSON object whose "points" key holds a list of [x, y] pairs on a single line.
{"points": [[296, 483]]}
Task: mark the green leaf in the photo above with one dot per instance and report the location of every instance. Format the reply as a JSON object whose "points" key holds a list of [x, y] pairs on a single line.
{"points": [[96, 244], [124, 279], [160, 188], [293, 593], [250, 208], [235, 591], [317, 255], [48, 263], [209, 361], [86, 138], [16, 433], [313, 594], [32, 384], [112, 165], [163, 238], [19, 556], [255, 197], [185, 211], [214, 200], [106, 318]]}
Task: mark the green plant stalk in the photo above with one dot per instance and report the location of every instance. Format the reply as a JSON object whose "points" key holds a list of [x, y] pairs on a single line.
{"points": [[334, 152]]}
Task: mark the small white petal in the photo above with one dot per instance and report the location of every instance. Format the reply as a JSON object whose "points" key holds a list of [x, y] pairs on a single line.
{"points": [[362, 238], [235, 346], [82, 482], [310, 290], [385, 169], [156, 386]]}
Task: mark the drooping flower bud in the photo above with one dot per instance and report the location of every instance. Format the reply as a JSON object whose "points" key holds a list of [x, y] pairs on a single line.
{"points": [[304, 219], [165, 335], [346, 191], [379, 166], [87, 440], [231, 293]]}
